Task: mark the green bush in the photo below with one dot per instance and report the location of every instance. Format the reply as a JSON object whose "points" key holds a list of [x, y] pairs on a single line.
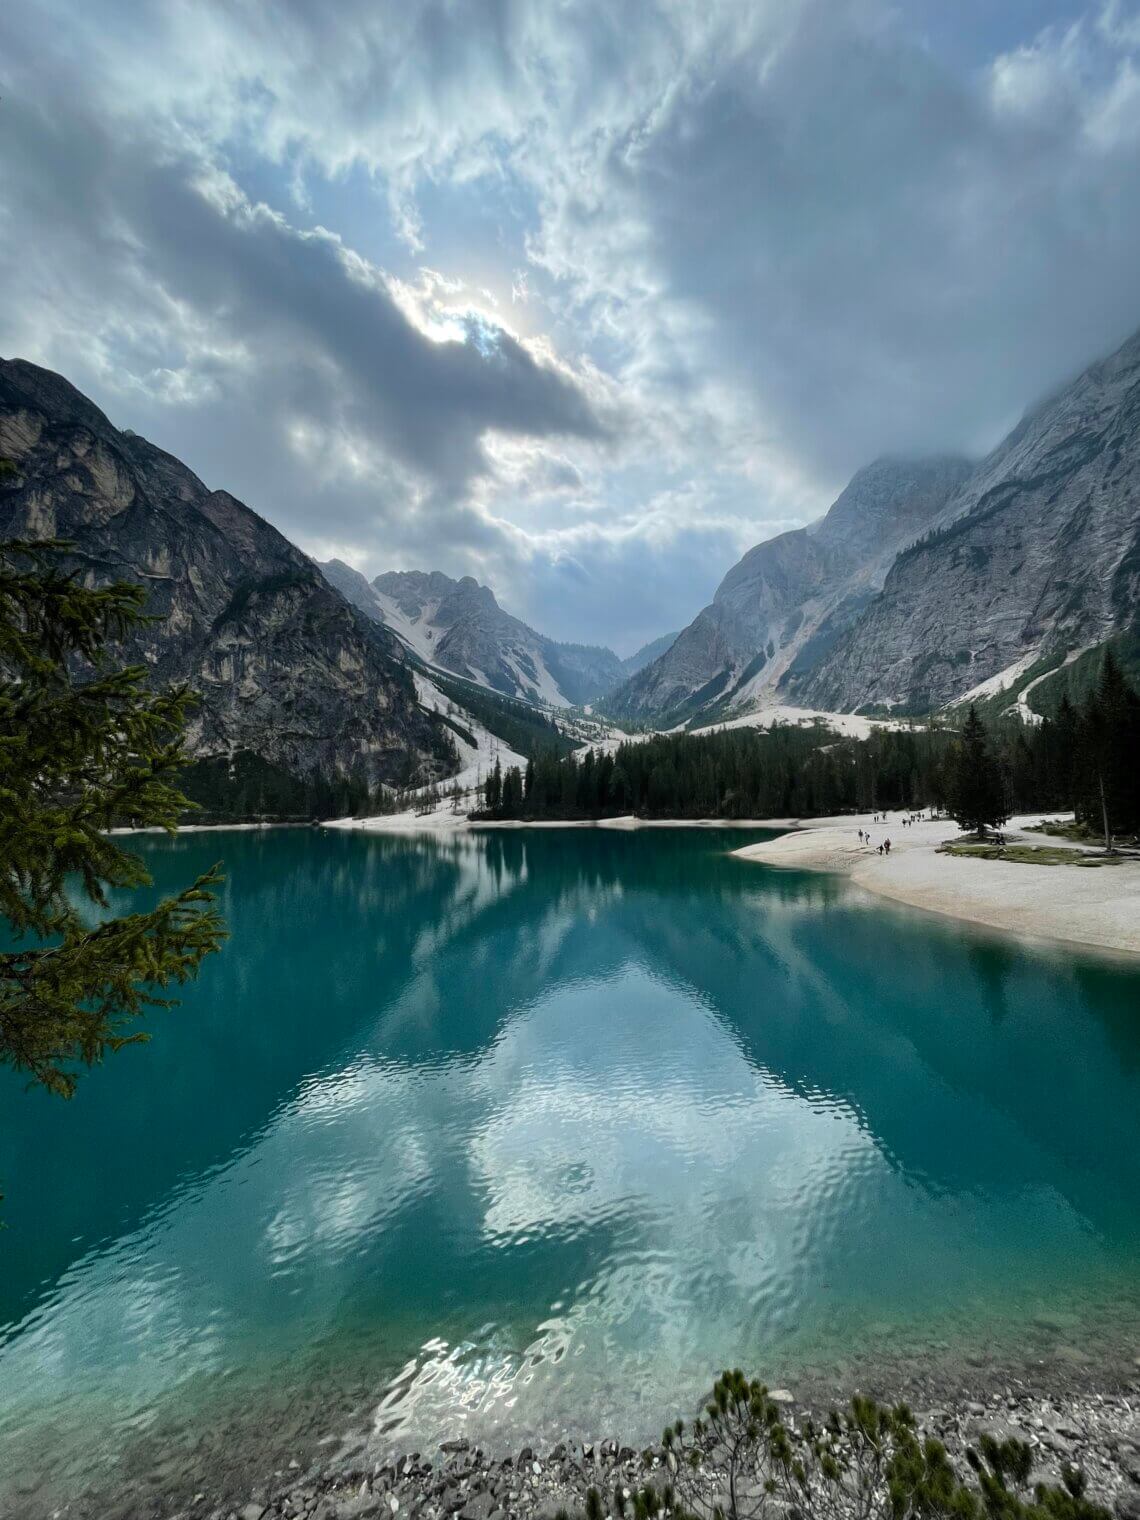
{"points": [[740, 1461]]}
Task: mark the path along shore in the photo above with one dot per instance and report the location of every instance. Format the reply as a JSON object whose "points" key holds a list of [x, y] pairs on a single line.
{"points": [[1064, 903]]}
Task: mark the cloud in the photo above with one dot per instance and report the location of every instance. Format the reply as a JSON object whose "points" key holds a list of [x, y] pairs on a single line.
{"points": [[584, 300], [890, 258], [192, 250]]}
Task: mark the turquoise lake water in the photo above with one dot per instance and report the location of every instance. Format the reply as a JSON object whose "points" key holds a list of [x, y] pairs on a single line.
{"points": [[525, 1133]]}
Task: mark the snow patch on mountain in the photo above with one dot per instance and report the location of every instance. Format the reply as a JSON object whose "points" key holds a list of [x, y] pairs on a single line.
{"points": [[476, 760], [415, 630], [994, 685]]}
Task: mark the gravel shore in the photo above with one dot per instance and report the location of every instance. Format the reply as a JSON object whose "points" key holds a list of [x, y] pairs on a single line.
{"points": [[1099, 1432]]}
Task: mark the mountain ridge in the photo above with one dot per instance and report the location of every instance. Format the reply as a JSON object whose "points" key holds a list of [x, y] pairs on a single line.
{"points": [[926, 580], [1037, 556], [459, 626], [285, 668], [946, 577], [788, 594]]}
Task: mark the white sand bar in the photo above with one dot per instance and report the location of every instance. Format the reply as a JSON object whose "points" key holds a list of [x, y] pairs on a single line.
{"points": [[1098, 907], [442, 819]]}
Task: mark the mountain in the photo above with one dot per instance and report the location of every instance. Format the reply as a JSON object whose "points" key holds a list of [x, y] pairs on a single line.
{"points": [[792, 597], [1034, 559], [288, 672], [459, 626], [647, 654]]}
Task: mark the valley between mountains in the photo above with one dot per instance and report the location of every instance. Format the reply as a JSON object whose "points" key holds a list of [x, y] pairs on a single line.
{"points": [[929, 582]]}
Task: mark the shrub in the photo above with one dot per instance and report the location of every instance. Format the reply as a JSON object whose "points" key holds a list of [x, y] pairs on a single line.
{"points": [[741, 1461]]}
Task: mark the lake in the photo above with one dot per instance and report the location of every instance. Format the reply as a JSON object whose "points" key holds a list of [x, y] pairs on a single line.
{"points": [[525, 1133]]}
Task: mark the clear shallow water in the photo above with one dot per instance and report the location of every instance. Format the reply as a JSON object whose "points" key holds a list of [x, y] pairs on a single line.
{"points": [[529, 1132]]}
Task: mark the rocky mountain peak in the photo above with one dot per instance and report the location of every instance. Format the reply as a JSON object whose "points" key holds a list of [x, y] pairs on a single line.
{"points": [[792, 596], [459, 626], [889, 499], [287, 671], [48, 395], [1035, 556]]}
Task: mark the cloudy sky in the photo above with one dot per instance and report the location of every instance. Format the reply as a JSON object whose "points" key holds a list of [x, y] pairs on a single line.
{"points": [[581, 297]]}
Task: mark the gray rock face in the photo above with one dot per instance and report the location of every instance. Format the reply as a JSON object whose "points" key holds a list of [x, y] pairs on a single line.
{"points": [[647, 654], [353, 586], [1037, 554], [790, 598], [285, 667], [459, 626]]}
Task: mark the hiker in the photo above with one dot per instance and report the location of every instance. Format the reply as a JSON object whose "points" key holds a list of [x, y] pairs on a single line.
{"points": [[887, 846], [880, 849]]}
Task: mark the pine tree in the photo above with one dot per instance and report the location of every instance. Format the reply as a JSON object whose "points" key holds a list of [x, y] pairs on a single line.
{"points": [[977, 793], [1060, 741], [1108, 755], [83, 746], [494, 791], [512, 792]]}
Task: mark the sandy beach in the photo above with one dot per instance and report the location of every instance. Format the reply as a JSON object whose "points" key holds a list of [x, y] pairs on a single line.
{"points": [[1053, 902]]}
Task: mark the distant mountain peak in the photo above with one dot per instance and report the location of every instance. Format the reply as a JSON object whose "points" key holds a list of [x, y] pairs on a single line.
{"points": [[791, 595], [929, 577], [1036, 555], [459, 626]]}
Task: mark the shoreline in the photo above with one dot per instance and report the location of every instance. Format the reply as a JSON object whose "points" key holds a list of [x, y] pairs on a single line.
{"points": [[1090, 909], [214, 828], [442, 821], [1065, 1415], [1097, 1432], [1050, 904]]}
